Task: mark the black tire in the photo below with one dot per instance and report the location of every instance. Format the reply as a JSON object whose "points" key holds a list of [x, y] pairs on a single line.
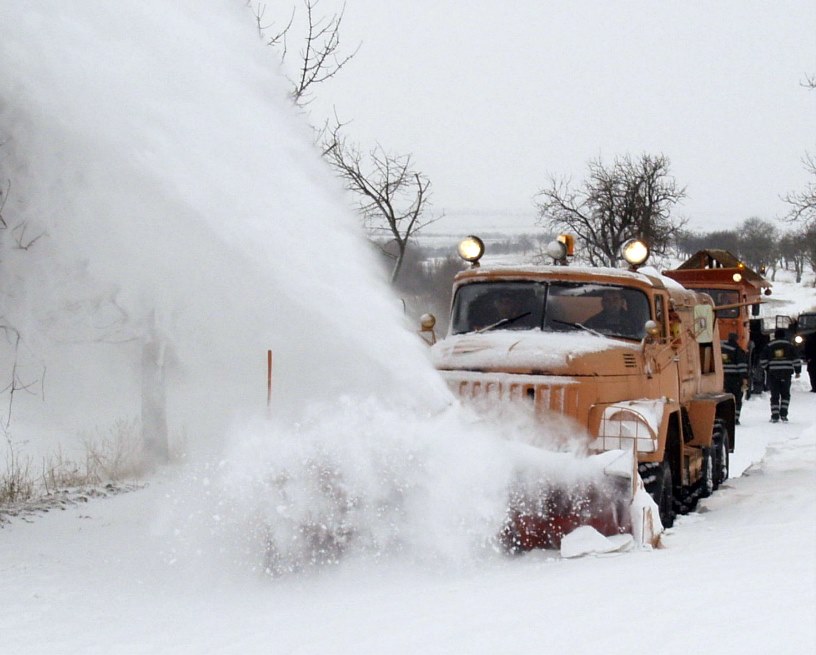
{"points": [[707, 480], [720, 443], [658, 482]]}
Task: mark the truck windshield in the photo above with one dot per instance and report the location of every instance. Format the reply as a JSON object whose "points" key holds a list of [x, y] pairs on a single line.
{"points": [[609, 310], [724, 297]]}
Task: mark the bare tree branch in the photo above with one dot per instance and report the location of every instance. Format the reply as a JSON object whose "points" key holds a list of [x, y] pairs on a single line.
{"points": [[803, 203], [3, 198], [392, 196], [19, 233], [319, 58]]}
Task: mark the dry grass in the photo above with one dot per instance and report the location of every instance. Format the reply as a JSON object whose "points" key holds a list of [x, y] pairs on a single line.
{"points": [[112, 455], [16, 483]]}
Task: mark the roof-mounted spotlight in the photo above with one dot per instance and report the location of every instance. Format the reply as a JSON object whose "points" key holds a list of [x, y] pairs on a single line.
{"points": [[635, 252], [558, 251], [569, 241], [561, 248], [471, 249]]}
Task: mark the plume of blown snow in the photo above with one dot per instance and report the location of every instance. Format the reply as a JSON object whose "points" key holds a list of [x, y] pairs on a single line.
{"points": [[178, 195], [164, 189]]}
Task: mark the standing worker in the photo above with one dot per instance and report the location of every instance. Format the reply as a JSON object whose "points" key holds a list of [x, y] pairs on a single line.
{"points": [[780, 361], [810, 358], [735, 371]]}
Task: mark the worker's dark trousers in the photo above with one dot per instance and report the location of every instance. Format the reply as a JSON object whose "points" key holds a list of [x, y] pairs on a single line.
{"points": [[812, 374], [733, 384], [780, 396]]}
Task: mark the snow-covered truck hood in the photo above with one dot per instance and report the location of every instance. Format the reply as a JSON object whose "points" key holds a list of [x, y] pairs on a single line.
{"points": [[536, 352]]}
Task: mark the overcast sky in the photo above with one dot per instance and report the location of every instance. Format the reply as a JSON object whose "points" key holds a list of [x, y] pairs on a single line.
{"points": [[492, 96]]}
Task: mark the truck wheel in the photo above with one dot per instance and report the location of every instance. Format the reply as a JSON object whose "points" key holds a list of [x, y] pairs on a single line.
{"points": [[720, 442], [666, 502], [657, 480], [707, 479]]}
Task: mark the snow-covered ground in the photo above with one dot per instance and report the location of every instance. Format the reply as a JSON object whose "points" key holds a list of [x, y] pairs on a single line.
{"points": [[186, 201], [736, 576]]}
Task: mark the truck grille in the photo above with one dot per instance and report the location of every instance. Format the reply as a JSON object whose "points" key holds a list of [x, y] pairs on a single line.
{"points": [[553, 395]]}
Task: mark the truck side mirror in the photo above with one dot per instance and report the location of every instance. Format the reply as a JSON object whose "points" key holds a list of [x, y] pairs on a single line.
{"points": [[755, 309]]}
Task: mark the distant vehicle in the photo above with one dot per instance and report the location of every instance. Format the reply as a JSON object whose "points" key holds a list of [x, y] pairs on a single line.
{"points": [[806, 323], [737, 292], [802, 327]]}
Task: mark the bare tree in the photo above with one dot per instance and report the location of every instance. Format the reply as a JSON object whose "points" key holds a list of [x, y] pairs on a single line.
{"points": [[319, 58], [687, 243], [810, 242], [759, 244], [631, 198], [393, 197], [793, 249], [803, 203]]}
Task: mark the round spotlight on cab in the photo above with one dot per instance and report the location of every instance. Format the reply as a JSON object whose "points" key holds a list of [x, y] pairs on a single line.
{"points": [[635, 252], [471, 249], [798, 339], [557, 250], [737, 277]]}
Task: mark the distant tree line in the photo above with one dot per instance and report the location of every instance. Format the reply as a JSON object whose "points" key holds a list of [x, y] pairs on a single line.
{"points": [[760, 244]]}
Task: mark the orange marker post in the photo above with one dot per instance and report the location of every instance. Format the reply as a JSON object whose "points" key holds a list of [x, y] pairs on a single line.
{"points": [[268, 381]]}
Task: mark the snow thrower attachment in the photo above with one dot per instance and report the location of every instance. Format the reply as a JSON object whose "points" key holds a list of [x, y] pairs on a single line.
{"points": [[542, 511], [630, 359]]}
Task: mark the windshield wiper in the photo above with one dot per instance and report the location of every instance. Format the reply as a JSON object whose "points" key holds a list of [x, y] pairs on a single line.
{"points": [[502, 322], [579, 325]]}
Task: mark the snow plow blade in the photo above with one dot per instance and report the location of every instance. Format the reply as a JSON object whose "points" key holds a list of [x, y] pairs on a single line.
{"points": [[612, 501]]}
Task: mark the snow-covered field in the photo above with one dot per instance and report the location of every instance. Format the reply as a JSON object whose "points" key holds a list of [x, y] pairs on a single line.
{"points": [[186, 200]]}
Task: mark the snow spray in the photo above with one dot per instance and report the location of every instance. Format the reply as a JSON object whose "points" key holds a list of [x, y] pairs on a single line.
{"points": [[175, 191]]}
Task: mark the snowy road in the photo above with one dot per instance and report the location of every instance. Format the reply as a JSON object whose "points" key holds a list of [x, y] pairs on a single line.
{"points": [[738, 575]]}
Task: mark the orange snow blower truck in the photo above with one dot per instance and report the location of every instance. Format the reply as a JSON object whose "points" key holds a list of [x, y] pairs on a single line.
{"points": [[629, 359]]}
